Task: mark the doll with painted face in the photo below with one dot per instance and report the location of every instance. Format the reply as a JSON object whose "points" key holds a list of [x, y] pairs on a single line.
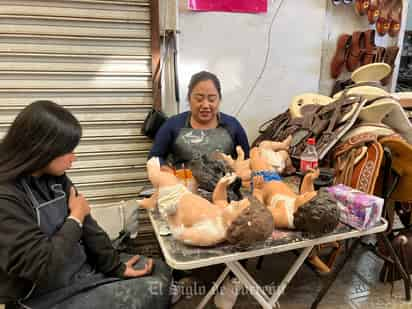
{"points": [[196, 221], [313, 212]]}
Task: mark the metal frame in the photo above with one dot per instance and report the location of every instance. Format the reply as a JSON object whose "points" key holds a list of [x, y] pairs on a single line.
{"points": [[232, 262]]}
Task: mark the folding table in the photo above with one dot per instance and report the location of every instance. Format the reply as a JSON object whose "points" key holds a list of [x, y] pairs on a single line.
{"points": [[183, 257]]}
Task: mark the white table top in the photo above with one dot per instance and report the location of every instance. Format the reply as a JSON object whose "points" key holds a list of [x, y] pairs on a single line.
{"points": [[181, 256]]}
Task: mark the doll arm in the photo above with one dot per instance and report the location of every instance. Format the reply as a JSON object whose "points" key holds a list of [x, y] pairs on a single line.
{"points": [[258, 184], [308, 181], [276, 146], [219, 196]]}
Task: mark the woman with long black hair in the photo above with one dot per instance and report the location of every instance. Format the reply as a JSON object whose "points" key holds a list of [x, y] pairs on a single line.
{"points": [[53, 254]]}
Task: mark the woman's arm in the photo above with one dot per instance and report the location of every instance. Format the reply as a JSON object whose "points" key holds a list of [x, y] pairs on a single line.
{"points": [[241, 139], [100, 250], [163, 142], [25, 251], [98, 245]]}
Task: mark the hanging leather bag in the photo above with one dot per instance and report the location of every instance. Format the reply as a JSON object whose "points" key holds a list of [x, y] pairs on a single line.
{"points": [[152, 123]]}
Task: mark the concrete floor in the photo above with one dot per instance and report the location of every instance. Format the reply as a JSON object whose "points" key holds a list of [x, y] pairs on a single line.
{"points": [[357, 286]]}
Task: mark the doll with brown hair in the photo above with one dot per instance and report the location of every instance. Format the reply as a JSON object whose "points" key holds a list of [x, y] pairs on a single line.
{"points": [[196, 221], [281, 200], [309, 211]]}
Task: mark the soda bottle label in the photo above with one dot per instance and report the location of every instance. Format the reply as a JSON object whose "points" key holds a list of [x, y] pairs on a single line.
{"points": [[305, 165]]}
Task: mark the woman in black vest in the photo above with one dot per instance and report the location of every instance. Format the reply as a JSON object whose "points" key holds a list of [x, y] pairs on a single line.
{"points": [[53, 254]]}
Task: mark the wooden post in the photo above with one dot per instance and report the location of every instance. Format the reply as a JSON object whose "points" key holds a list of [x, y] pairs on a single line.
{"points": [[157, 103]]}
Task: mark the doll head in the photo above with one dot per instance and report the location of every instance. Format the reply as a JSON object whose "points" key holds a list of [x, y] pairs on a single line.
{"points": [[255, 223], [208, 170], [318, 216]]}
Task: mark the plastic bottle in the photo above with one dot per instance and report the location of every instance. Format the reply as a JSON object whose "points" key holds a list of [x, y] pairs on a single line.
{"points": [[309, 157]]}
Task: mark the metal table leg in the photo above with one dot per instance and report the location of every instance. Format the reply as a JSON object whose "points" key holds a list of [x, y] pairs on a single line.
{"points": [[328, 281], [214, 288], [293, 270], [249, 283], [398, 265]]}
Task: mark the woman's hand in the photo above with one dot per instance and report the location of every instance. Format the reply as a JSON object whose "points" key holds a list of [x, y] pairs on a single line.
{"points": [[130, 272], [78, 205]]}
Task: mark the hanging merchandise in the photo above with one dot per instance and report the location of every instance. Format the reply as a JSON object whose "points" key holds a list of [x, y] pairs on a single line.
{"points": [[242, 6]]}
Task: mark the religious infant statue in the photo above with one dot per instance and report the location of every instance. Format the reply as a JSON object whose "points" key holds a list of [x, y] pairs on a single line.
{"points": [[196, 221]]}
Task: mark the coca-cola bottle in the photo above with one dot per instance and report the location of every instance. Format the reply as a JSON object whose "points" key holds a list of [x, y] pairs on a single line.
{"points": [[309, 157]]}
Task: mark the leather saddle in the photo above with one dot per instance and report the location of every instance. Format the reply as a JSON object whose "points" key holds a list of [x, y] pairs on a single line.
{"points": [[357, 162], [326, 123]]}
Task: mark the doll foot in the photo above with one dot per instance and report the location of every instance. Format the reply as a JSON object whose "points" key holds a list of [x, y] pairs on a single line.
{"points": [[153, 162], [228, 178], [319, 264], [147, 203]]}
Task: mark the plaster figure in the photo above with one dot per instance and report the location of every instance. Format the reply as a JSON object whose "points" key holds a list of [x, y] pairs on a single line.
{"points": [[309, 211], [196, 221], [275, 154]]}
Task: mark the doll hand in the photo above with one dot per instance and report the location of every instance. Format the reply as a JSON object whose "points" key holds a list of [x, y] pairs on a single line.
{"points": [[154, 161], [228, 179], [240, 154], [228, 159], [258, 182], [313, 173]]}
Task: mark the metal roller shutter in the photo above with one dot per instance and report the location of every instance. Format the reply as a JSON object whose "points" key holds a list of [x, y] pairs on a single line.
{"points": [[93, 57]]}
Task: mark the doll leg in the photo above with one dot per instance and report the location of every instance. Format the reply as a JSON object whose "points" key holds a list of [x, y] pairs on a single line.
{"points": [[220, 192], [308, 180], [257, 162], [304, 198], [319, 264], [276, 146], [157, 177], [149, 202]]}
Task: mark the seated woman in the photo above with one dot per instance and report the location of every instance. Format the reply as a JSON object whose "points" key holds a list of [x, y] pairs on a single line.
{"points": [[53, 253], [201, 130], [208, 225]]}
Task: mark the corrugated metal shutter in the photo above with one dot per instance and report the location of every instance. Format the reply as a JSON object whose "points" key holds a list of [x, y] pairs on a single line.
{"points": [[93, 57]]}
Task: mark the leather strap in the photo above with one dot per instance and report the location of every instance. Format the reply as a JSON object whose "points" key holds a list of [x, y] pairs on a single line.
{"points": [[157, 76], [354, 141]]}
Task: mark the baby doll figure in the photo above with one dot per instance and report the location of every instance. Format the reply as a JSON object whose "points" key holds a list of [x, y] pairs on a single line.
{"points": [[193, 219], [275, 194], [275, 153], [310, 211], [284, 203]]}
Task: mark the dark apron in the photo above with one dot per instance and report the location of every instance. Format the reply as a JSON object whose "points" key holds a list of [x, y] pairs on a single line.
{"points": [[191, 143], [76, 275]]}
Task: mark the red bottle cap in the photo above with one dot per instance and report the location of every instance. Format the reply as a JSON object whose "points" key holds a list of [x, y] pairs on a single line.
{"points": [[311, 141]]}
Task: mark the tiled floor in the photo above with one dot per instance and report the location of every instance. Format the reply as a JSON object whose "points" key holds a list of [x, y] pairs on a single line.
{"points": [[357, 287]]}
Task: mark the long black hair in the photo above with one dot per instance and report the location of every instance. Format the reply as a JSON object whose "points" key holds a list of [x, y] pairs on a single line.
{"points": [[41, 132]]}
